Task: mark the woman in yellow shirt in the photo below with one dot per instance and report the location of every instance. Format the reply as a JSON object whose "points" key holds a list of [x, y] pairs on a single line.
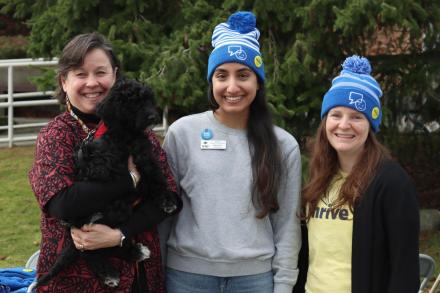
{"points": [[360, 206]]}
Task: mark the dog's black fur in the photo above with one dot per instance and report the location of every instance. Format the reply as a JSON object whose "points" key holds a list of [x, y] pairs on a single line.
{"points": [[127, 112]]}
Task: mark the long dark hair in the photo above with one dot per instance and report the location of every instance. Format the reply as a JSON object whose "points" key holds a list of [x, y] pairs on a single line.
{"points": [[74, 53], [324, 165], [265, 153]]}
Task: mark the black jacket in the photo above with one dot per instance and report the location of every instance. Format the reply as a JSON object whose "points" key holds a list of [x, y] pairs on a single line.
{"points": [[385, 256]]}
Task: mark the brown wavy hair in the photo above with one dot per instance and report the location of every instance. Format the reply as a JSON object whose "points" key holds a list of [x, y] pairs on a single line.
{"points": [[323, 166]]}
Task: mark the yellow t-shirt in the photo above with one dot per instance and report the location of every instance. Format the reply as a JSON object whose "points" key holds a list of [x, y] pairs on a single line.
{"points": [[330, 244]]}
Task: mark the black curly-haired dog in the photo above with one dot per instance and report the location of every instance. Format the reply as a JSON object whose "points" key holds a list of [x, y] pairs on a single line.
{"points": [[125, 114]]}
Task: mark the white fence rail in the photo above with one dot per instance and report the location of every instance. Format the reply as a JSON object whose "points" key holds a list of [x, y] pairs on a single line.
{"points": [[10, 100]]}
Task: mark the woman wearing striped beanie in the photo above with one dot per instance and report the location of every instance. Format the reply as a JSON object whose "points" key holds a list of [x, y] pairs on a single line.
{"points": [[360, 206], [239, 178]]}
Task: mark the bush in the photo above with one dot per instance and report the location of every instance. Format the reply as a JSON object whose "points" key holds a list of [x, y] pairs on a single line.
{"points": [[11, 27], [12, 47], [419, 154]]}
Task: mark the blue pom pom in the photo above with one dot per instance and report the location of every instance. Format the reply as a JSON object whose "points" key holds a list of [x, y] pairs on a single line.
{"points": [[242, 21], [357, 64]]}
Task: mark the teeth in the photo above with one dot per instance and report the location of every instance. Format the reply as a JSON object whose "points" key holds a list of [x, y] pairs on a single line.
{"points": [[233, 99], [345, 135], [92, 95]]}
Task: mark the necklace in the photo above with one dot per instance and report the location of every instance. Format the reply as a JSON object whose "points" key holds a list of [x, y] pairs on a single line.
{"points": [[326, 201], [330, 202], [74, 116]]}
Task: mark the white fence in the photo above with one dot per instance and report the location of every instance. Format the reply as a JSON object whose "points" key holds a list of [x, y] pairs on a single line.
{"points": [[12, 99]]}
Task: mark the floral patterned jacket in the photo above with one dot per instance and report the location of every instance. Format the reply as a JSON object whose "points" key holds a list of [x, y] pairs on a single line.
{"points": [[52, 171]]}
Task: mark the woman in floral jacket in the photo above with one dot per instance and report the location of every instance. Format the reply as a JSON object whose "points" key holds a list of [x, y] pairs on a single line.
{"points": [[88, 68]]}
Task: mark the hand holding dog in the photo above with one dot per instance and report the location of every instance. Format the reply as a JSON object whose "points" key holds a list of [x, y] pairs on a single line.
{"points": [[95, 236]]}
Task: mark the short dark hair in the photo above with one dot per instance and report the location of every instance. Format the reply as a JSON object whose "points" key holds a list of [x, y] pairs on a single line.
{"points": [[74, 53]]}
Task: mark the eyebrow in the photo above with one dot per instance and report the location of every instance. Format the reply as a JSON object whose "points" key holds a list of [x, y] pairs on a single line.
{"points": [[239, 70], [103, 67]]}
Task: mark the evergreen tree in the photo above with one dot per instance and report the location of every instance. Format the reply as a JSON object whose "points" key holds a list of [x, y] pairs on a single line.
{"points": [[167, 45]]}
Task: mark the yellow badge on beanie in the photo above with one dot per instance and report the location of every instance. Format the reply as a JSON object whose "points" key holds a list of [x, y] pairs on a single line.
{"points": [[258, 61], [375, 113]]}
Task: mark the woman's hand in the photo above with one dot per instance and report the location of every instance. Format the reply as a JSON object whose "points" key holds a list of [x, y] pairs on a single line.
{"points": [[95, 236]]}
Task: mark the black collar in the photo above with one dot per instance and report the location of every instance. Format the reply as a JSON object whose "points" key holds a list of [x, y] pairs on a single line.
{"points": [[86, 118]]}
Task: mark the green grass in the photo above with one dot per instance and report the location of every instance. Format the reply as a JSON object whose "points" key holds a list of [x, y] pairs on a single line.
{"points": [[19, 212], [430, 245]]}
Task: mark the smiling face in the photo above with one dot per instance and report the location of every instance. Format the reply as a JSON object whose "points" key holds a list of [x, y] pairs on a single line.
{"points": [[88, 84], [347, 131], [234, 88]]}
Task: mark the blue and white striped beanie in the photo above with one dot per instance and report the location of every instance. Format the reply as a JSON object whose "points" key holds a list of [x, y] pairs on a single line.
{"points": [[355, 88], [237, 41]]}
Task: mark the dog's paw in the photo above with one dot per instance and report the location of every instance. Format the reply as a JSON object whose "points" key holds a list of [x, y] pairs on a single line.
{"points": [[107, 274], [168, 204], [96, 217], [144, 252], [169, 208], [111, 281]]}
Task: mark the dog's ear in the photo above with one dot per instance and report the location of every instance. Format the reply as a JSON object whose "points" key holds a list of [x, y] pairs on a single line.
{"points": [[147, 116], [129, 105], [110, 109]]}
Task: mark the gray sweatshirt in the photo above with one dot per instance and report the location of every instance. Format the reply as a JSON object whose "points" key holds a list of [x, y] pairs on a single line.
{"points": [[217, 232]]}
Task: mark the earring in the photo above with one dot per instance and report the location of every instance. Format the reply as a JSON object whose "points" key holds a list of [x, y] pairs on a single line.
{"points": [[68, 105]]}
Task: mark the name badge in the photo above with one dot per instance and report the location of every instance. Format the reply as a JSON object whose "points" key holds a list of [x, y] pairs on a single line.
{"points": [[213, 144]]}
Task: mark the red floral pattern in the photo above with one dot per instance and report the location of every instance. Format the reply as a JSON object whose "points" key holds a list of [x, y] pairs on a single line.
{"points": [[52, 171]]}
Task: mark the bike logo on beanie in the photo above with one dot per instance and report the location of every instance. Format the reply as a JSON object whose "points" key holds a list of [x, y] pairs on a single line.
{"points": [[239, 53]]}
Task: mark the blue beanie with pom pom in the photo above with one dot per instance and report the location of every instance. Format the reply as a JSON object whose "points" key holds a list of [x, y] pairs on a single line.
{"points": [[355, 88], [237, 41]]}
